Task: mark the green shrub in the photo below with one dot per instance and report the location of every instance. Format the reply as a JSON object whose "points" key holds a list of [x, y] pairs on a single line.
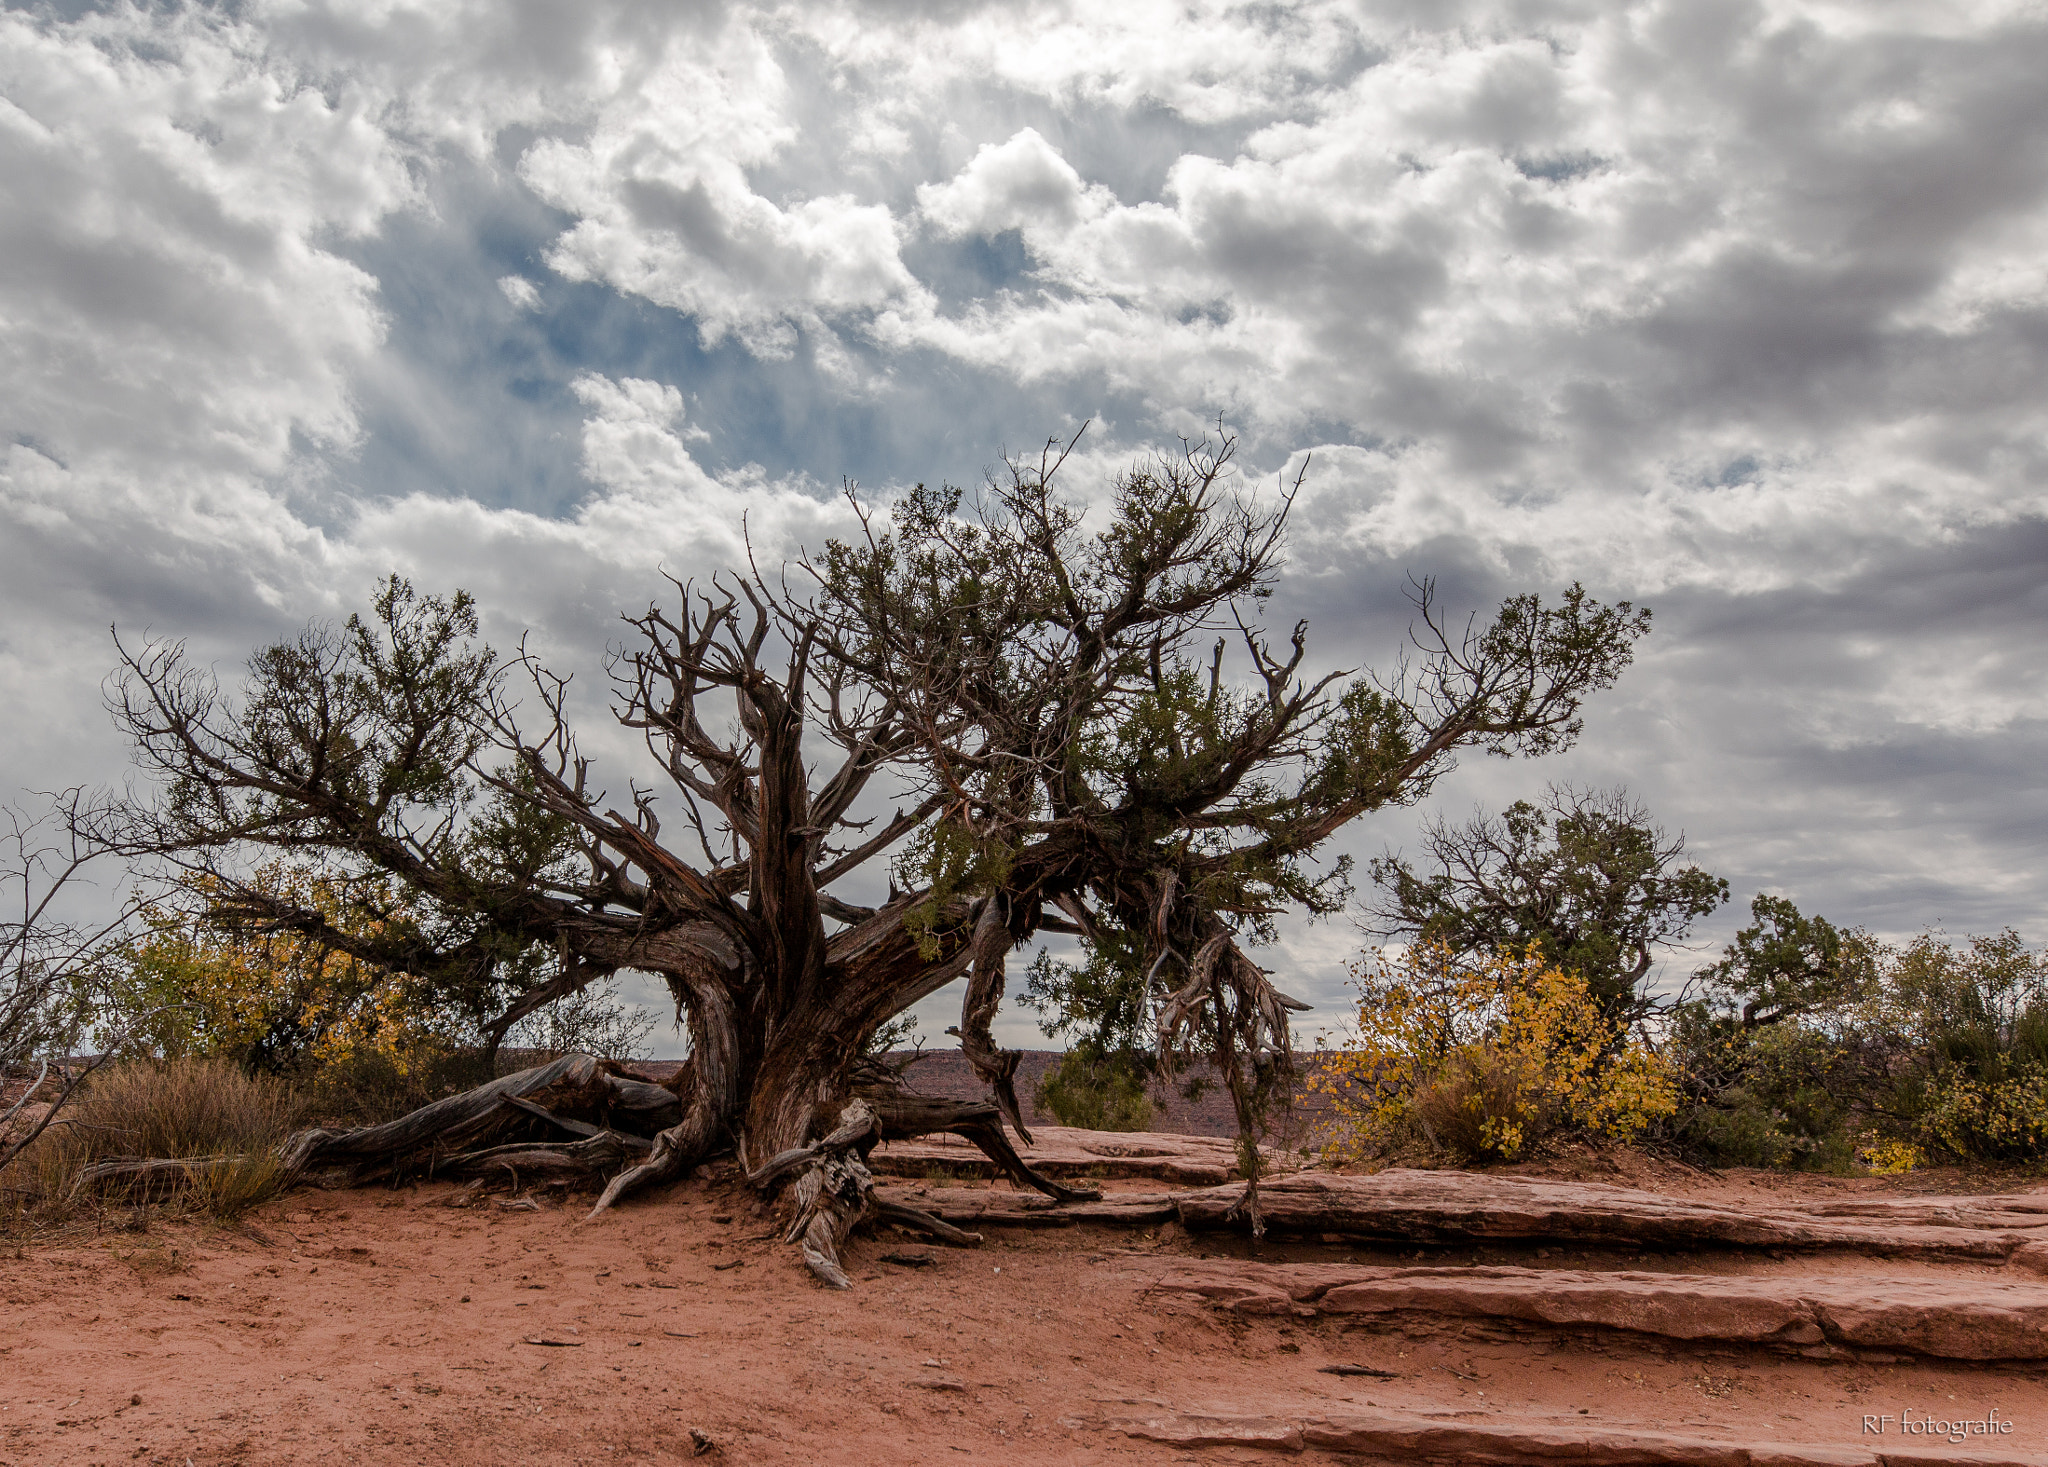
{"points": [[1814, 1048], [1098, 1091]]}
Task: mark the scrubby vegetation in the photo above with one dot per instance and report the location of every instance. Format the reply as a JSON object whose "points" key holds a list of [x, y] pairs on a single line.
{"points": [[210, 1112], [1803, 1046], [1809, 1046], [1483, 1060], [1103, 1090], [363, 1043]]}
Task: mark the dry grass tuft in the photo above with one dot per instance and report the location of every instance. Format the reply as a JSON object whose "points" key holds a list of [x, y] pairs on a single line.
{"points": [[205, 1109]]}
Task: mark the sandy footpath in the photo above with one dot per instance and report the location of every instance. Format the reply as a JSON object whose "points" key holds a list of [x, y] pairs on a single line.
{"points": [[385, 1327]]}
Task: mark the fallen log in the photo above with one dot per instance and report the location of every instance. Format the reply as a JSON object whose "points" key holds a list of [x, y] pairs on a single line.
{"points": [[453, 1125], [1454, 1207], [1952, 1319], [1016, 1209], [1071, 1151]]}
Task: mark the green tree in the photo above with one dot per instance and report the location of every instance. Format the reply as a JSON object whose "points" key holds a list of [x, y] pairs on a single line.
{"points": [[1584, 875]]}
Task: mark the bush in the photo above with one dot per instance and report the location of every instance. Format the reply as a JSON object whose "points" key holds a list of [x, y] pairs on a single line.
{"points": [[1097, 1090], [1779, 1095], [1484, 1059], [362, 1043], [214, 982], [1815, 1048], [187, 1108]]}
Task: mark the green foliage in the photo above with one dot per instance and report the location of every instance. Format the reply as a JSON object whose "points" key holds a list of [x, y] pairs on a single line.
{"points": [[1785, 965], [1981, 1011], [1101, 1002], [1786, 1095], [381, 716], [1584, 875], [1101, 1090], [950, 861], [1812, 1046], [1777, 1070]]}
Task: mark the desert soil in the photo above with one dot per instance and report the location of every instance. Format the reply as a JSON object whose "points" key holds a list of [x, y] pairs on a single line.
{"points": [[388, 1327]]}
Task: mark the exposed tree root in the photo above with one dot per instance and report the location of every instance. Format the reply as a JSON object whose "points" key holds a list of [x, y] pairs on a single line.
{"points": [[921, 1221], [579, 1122], [903, 1115]]}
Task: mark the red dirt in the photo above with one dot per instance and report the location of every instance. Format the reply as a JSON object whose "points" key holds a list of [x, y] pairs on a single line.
{"points": [[382, 1327]]}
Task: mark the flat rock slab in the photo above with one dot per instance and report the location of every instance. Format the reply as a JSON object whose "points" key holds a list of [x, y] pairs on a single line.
{"points": [[1440, 1437], [1443, 1207], [2008, 1210], [1069, 1151], [1951, 1319]]}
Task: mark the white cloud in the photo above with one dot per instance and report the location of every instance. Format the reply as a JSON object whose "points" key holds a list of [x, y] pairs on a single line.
{"points": [[1729, 306], [1021, 184], [522, 292], [166, 295]]}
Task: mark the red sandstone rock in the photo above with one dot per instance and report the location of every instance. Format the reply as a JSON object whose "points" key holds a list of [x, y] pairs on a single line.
{"points": [[1957, 1319], [1439, 1437], [1442, 1207]]}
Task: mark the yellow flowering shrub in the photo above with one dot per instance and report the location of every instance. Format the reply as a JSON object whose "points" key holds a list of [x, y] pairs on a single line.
{"points": [[1482, 1059], [279, 1000], [1890, 1158], [2005, 1119]]}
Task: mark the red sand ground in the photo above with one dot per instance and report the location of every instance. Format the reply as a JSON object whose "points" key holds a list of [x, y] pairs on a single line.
{"points": [[382, 1327]]}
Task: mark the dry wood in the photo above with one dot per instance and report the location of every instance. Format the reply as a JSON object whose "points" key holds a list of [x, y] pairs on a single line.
{"points": [[446, 1123], [585, 1162], [831, 1193], [924, 1222], [138, 1173]]}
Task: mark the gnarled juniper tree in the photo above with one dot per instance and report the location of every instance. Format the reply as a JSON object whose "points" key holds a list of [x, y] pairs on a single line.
{"points": [[1082, 727]]}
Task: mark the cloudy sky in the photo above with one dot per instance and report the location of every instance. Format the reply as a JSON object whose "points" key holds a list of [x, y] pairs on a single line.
{"points": [[1737, 310]]}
